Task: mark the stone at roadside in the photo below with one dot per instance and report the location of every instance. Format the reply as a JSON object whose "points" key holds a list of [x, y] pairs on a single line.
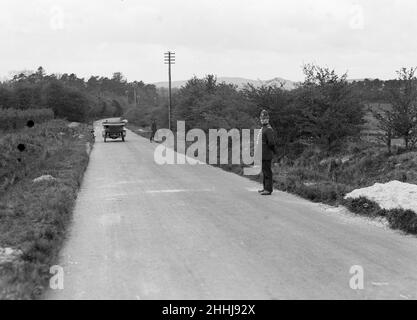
{"points": [[88, 148], [44, 178], [9, 255], [345, 159], [74, 125]]}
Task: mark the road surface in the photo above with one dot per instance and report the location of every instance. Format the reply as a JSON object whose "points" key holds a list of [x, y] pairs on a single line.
{"points": [[144, 231]]}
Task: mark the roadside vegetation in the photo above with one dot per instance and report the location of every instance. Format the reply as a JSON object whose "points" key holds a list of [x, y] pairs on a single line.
{"points": [[34, 214], [42, 161]]}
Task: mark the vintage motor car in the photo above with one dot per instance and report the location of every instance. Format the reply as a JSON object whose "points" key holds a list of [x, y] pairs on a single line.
{"points": [[114, 130]]}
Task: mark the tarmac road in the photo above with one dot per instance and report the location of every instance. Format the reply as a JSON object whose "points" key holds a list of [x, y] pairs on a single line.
{"points": [[144, 231]]}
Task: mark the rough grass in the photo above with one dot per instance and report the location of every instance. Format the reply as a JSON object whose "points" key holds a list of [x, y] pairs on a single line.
{"points": [[34, 216], [12, 119]]}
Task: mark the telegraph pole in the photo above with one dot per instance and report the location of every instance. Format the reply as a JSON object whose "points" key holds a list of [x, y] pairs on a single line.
{"points": [[169, 60]]}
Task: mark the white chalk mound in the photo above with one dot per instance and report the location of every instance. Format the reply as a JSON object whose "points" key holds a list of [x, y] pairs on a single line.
{"points": [[391, 195]]}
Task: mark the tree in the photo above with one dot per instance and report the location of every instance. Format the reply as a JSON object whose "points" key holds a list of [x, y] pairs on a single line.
{"points": [[118, 112], [6, 97], [185, 101], [93, 84], [223, 107], [36, 77], [118, 84], [66, 102], [27, 95], [402, 118], [204, 103], [385, 118], [330, 111], [284, 118]]}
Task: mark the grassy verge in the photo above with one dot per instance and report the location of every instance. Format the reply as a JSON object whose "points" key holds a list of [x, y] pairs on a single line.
{"points": [[34, 216], [315, 182], [363, 165], [329, 179]]}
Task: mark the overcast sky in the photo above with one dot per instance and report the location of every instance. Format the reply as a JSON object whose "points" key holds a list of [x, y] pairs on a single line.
{"points": [[257, 39]]}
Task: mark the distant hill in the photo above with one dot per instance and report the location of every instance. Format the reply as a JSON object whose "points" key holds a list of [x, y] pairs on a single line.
{"points": [[240, 82], [360, 80]]}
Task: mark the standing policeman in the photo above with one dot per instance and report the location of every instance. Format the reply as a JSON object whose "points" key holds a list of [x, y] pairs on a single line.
{"points": [[268, 150]]}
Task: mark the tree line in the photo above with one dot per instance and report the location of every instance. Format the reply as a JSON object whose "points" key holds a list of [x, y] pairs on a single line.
{"points": [[74, 98], [325, 110]]}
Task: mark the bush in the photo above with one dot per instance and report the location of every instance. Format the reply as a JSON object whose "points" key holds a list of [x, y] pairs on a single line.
{"points": [[137, 116], [405, 220], [67, 102], [363, 206]]}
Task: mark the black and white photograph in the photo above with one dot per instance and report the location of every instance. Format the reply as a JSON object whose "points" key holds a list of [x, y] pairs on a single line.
{"points": [[210, 155]]}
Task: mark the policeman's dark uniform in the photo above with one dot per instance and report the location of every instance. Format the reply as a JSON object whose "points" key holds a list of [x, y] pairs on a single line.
{"points": [[268, 150]]}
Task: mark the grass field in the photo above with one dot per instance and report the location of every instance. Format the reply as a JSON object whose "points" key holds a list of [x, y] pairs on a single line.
{"points": [[34, 216]]}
